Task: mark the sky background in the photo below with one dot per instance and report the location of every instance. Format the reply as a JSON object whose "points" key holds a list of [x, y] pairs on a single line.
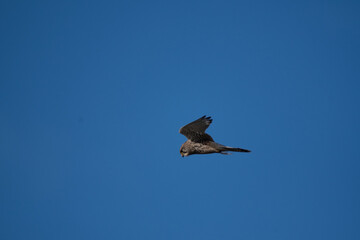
{"points": [[93, 93]]}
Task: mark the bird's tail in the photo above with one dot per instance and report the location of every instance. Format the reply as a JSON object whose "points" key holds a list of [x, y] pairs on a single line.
{"points": [[235, 149]]}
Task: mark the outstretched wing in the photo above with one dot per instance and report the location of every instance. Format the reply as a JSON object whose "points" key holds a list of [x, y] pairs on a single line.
{"points": [[195, 131]]}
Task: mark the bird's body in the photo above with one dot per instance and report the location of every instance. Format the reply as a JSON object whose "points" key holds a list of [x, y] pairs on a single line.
{"points": [[200, 142]]}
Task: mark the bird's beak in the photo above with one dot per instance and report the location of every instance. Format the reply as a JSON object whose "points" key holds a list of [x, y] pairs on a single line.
{"points": [[182, 154]]}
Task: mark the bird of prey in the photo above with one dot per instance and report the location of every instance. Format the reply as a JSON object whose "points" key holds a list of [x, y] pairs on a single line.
{"points": [[200, 142]]}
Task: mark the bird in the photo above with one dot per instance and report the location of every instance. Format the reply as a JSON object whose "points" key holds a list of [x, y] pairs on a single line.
{"points": [[199, 142]]}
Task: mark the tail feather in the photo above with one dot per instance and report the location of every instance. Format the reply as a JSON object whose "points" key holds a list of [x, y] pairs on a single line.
{"points": [[236, 149]]}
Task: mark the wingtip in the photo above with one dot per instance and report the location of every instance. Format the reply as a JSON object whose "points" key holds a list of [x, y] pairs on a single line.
{"points": [[206, 117]]}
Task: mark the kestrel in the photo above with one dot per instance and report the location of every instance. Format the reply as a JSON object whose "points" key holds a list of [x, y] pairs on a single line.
{"points": [[200, 142]]}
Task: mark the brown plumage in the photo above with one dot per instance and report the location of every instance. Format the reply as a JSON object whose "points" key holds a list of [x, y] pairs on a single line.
{"points": [[200, 142]]}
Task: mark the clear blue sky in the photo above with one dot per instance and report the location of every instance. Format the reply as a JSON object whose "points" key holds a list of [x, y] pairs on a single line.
{"points": [[93, 93]]}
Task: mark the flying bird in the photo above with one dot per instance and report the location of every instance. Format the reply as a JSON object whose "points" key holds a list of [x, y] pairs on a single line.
{"points": [[200, 142]]}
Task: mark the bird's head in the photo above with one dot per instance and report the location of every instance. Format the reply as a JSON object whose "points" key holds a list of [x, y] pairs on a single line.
{"points": [[184, 152]]}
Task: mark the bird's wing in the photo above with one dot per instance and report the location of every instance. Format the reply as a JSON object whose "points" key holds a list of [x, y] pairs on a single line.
{"points": [[195, 131]]}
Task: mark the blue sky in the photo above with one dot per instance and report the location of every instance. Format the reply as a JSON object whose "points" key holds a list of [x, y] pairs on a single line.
{"points": [[92, 95]]}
